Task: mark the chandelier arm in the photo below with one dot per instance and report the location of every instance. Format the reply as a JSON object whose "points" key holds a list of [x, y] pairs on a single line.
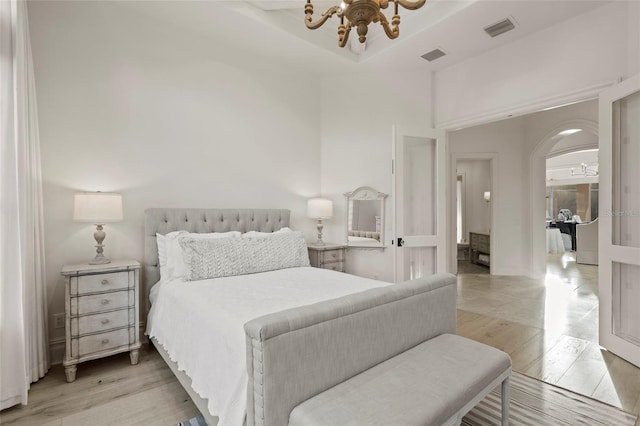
{"points": [[393, 30], [308, 20], [411, 5], [343, 34]]}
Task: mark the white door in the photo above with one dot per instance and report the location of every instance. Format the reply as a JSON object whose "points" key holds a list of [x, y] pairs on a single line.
{"points": [[619, 218], [419, 184]]}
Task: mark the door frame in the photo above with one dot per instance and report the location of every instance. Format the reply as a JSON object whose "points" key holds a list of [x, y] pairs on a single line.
{"points": [[492, 157], [537, 268]]}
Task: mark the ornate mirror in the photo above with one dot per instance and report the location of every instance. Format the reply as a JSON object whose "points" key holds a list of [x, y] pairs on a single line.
{"points": [[365, 217]]}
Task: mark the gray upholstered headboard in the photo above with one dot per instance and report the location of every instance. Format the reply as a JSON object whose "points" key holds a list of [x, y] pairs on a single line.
{"points": [[163, 221]]}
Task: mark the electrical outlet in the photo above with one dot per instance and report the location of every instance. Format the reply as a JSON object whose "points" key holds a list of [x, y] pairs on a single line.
{"points": [[58, 321]]}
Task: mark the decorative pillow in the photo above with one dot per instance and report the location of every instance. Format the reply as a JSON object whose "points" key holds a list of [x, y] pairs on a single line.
{"points": [[170, 255], [239, 256], [256, 234]]}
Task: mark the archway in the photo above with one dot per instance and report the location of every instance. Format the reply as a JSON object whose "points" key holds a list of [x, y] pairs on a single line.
{"points": [[537, 160]]}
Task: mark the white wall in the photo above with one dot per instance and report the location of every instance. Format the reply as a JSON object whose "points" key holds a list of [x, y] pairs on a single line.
{"points": [[590, 50], [358, 112], [131, 105], [504, 141], [477, 211]]}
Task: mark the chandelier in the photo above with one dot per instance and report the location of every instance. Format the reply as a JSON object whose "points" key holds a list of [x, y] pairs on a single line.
{"points": [[584, 171], [359, 14]]}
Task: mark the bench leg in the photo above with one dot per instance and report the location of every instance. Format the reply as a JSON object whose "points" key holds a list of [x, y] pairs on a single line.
{"points": [[505, 402]]}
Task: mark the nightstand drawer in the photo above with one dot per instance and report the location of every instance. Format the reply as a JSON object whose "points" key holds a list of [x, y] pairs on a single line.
{"points": [[102, 282], [102, 322], [102, 302], [103, 341], [333, 256], [334, 266]]}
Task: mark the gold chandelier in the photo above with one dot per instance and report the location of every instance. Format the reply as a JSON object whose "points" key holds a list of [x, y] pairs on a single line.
{"points": [[359, 14]]}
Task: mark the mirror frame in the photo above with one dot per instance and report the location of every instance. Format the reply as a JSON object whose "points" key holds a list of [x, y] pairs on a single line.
{"points": [[366, 193]]}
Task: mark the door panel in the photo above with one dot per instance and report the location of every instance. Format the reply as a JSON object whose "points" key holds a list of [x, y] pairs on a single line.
{"points": [[419, 186], [619, 223], [625, 176], [419, 191], [626, 295], [418, 262]]}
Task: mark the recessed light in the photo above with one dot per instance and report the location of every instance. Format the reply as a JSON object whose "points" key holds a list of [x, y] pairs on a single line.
{"points": [[569, 132]]}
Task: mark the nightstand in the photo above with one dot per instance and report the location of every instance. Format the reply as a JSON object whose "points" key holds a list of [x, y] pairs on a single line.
{"points": [[102, 312], [328, 256]]}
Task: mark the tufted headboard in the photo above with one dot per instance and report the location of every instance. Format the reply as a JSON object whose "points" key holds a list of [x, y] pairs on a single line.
{"points": [[163, 221]]}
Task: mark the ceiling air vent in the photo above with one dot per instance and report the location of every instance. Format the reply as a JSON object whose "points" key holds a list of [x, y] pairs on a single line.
{"points": [[433, 55], [499, 27]]}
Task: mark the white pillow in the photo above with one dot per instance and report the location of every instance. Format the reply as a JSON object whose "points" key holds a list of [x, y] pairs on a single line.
{"points": [[256, 234], [171, 257], [163, 241], [239, 256]]}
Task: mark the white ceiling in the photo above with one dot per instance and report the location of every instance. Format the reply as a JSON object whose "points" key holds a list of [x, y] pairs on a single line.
{"points": [[273, 32], [566, 168]]}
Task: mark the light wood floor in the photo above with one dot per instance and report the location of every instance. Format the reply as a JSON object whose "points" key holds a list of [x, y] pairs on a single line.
{"points": [[548, 326]]}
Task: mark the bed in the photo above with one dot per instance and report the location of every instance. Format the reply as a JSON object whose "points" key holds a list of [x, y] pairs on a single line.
{"points": [[255, 346]]}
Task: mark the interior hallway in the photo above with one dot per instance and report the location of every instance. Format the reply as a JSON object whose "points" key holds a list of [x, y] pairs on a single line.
{"points": [[549, 327]]}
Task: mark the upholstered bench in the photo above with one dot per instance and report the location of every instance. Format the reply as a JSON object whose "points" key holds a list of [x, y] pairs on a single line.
{"points": [[434, 383]]}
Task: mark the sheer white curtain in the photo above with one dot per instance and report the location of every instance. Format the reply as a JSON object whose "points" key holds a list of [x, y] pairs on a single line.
{"points": [[24, 352]]}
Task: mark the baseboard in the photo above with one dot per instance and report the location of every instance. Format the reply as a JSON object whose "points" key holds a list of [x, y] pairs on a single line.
{"points": [[56, 350]]}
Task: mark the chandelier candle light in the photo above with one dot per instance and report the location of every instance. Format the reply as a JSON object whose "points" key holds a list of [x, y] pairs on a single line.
{"points": [[98, 208], [359, 14], [320, 208]]}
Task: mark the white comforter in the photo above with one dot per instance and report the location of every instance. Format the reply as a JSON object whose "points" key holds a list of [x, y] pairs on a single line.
{"points": [[201, 324]]}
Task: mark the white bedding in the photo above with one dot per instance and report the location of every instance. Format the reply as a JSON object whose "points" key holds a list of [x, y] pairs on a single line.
{"points": [[201, 324]]}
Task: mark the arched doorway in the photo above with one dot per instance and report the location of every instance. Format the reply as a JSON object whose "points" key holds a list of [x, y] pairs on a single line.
{"points": [[537, 167]]}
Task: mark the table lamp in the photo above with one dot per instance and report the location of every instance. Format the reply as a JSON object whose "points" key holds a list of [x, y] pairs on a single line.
{"points": [[320, 208], [97, 208]]}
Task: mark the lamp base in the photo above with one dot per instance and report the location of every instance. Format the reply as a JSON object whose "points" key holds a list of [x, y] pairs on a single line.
{"points": [[99, 260], [99, 235], [319, 227]]}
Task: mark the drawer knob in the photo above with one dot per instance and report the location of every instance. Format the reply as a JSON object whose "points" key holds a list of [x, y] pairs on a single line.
{"points": [[105, 301], [104, 282], [105, 341], [105, 321]]}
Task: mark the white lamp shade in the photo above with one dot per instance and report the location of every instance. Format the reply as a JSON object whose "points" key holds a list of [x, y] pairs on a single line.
{"points": [[97, 207], [320, 208], [487, 196]]}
